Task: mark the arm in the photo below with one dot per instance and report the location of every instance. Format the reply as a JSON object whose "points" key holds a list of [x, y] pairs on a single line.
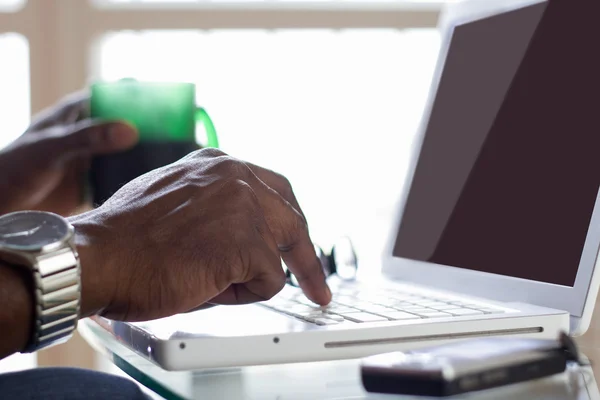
{"points": [[16, 309], [17, 291], [206, 229]]}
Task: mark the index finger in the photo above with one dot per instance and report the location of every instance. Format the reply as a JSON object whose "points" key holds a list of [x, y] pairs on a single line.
{"points": [[291, 234], [279, 183]]}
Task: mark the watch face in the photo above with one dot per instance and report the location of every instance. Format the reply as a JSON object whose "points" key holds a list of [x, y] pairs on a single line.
{"points": [[32, 230]]}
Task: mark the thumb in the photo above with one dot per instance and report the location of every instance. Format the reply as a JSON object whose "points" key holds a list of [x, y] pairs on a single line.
{"points": [[94, 137]]}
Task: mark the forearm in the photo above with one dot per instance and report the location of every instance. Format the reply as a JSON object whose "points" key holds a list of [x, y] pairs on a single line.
{"points": [[95, 293], [17, 295], [16, 309]]}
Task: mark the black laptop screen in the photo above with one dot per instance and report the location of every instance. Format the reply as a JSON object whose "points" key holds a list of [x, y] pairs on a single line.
{"points": [[509, 169]]}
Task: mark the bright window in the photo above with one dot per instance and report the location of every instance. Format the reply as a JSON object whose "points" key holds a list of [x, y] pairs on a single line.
{"points": [[333, 110], [14, 81], [11, 5]]}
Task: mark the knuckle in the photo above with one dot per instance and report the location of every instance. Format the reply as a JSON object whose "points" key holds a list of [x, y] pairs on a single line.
{"points": [[296, 228], [284, 184], [287, 192], [211, 152], [225, 165], [276, 284], [238, 189], [283, 180], [235, 167], [299, 222]]}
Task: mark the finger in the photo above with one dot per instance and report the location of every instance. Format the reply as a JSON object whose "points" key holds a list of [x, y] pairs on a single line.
{"points": [[291, 234], [68, 110], [279, 183], [238, 294], [90, 137], [76, 107], [265, 278], [204, 306]]}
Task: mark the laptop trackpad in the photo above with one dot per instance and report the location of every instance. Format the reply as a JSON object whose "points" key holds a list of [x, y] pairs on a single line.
{"points": [[224, 321]]}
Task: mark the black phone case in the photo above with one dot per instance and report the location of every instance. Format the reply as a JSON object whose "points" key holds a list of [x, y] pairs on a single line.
{"points": [[388, 380]]}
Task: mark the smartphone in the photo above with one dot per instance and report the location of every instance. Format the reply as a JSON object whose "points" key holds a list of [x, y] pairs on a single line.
{"points": [[464, 366]]}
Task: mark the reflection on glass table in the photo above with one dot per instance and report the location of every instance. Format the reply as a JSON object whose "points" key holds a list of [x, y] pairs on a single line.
{"points": [[324, 380]]}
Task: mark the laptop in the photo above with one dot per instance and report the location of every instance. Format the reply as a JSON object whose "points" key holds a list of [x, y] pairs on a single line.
{"points": [[498, 225]]}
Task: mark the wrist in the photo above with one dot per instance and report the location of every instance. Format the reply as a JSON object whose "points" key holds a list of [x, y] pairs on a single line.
{"points": [[95, 295], [16, 313]]}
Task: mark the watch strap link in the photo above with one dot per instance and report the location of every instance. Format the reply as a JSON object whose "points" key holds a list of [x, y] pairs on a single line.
{"points": [[57, 283]]}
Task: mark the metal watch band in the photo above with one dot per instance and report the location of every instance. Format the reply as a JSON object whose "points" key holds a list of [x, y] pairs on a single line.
{"points": [[57, 283]]}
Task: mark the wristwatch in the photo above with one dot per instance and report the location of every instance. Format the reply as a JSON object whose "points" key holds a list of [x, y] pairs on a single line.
{"points": [[42, 243]]}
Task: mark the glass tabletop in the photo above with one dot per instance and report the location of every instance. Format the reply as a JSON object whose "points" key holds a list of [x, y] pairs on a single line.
{"points": [[331, 380]]}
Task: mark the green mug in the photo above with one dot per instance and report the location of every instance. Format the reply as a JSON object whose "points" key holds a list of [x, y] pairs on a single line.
{"points": [[165, 115], [160, 111]]}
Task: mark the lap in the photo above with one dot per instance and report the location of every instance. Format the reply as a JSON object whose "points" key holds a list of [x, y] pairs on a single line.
{"points": [[67, 384]]}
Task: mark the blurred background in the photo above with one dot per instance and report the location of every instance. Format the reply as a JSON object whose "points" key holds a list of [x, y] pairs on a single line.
{"points": [[329, 93]]}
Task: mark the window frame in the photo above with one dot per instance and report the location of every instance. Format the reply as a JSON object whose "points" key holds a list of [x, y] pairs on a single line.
{"points": [[48, 26]]}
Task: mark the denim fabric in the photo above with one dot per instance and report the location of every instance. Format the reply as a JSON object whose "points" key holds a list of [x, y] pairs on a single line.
{"points": [[67, 384]]}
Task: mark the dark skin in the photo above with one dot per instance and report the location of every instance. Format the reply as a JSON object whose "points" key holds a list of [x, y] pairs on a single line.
{"points": [[209, 229], [44, 168]]}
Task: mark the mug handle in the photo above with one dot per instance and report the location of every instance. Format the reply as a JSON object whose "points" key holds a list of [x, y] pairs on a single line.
{"points": [[211, 133]]}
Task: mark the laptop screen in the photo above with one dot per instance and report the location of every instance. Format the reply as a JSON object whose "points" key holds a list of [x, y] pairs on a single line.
{"points": [[509, 168]]}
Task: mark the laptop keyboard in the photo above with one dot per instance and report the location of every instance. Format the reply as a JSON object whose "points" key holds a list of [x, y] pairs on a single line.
{"points": [[354, 305]]}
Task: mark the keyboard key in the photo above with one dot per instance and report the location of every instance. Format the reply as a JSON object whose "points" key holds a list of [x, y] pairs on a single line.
{"points": [[428, 303], [466, 305], [298, 308], [338, 298], [324, 321], [382, 300], [368, 296], [465, 311], [323, 315], [364, 317], [351, 305], [376, 309], [347, 322], [401, 303], [307, 313], [313, 316], [340, 310], [473, 306], [305, 301], [346, 290], [405, 298], [349, 302], [447, 307], [393, 303], [336, 306], [334, 317], [399, 316], [414, 309], [433, 314], [491, 310], [276, 302]]}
